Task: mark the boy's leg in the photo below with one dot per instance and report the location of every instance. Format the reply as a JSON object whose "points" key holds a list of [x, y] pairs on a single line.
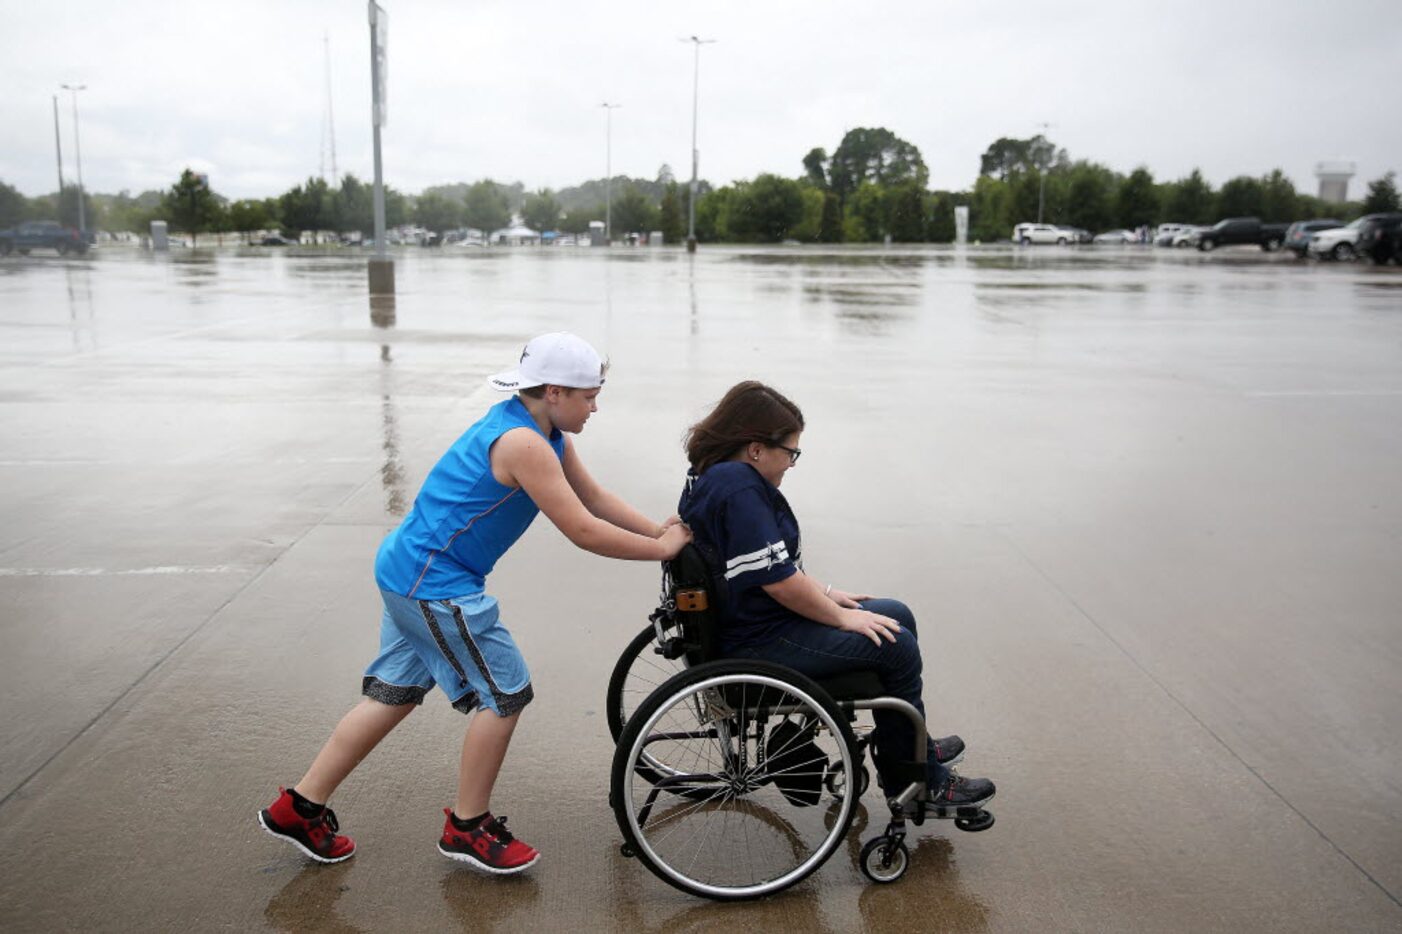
{"points": [[358, 732], [483, 750]]}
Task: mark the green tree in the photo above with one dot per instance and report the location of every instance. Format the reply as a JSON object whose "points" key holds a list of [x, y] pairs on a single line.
{"points": [[815, 167], [1241, 197], [810, 225], [486, 207], [1024, 191], [941, 228], [576, 220], [1382, 195], [633, 212], [766, 209], [713, 212], [14, 207], [247, 215], [541, 210], [436, 213], [1090, 197], [1191, 200], [191, 206], [1279, 200], [308, 206], [989, 206], [864, 219], [671, 216], [906, 212], [1006, 156], [1137, 202], [874, 155], [830, 223]]}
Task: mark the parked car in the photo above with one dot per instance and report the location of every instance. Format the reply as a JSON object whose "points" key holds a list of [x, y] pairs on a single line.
{"points": [[42, 235], [1164, 233], [275, 240], [1078, 234], [1339, 243], [1298, 235], [1116, 236], [1380, 238], [1187, 237], [1027, 234], [1242, 230]]}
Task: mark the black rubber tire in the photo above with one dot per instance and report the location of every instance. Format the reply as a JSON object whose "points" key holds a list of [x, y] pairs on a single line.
{"points": [[5, 247], [1060, 241], [1343, 252], [1207, 246], [615, 703], [896, 854], [1271, 245], [623, 765]]}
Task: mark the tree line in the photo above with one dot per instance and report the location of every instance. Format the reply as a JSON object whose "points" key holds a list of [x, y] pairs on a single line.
{"points": [[872, 187]]}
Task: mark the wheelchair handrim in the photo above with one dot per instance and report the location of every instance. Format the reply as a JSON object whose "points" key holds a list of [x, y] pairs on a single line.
{"points": [[819, 855]]}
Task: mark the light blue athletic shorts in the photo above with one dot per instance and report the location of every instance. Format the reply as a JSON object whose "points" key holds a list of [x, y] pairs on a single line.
{"points": [[458, 644]]}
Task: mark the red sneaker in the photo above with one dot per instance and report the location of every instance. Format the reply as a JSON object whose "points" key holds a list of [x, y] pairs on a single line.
{"points": [[488, 846], [315, 836]]}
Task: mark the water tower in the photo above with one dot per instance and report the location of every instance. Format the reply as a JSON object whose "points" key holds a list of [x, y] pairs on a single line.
{"points": [[1333, 178]]}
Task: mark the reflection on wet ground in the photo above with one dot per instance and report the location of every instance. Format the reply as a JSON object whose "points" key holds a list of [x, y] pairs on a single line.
{"points": [[1145, 503]]}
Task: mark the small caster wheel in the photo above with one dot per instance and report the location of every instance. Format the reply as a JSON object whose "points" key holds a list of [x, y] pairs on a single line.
{"points": [[884, 860], [836, 781], [982, 821], [628, 851]]}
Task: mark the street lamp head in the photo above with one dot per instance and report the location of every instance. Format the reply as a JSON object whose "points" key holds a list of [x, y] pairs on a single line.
{"points": [[74, 87]]}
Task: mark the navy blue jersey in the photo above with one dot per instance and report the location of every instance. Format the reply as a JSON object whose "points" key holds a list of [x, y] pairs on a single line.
{"points": [[748, 524]]}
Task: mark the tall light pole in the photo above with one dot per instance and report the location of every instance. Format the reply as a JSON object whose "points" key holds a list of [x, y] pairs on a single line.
{"points": [[58, 149], [73, 89], [1042, 177], [608, 170], [696, 43]]}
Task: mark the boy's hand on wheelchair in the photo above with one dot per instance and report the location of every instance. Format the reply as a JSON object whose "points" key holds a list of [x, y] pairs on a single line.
{"points": [[872, 625], [852, 601], [674, 538]]}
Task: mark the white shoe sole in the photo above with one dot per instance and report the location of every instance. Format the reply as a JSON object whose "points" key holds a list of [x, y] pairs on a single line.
{"points": [[306, 852], [476, 863]]}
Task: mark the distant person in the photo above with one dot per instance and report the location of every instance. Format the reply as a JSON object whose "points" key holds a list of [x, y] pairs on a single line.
{"points": [[775, 612], [440, 626]]}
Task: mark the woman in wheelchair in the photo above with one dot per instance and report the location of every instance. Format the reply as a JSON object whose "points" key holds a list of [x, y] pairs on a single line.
{"points": [[739, 454]]}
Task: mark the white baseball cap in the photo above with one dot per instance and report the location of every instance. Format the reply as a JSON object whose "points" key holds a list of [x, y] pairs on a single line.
{"points": [[558, 359]]}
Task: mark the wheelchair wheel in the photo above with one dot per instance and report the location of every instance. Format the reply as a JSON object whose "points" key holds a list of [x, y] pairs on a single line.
{"points": [[884, 859], [638, 673], [744, 814]]}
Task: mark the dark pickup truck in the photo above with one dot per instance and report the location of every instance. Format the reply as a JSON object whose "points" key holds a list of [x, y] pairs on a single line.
{"points": [[39, 235], [1242, 230]]}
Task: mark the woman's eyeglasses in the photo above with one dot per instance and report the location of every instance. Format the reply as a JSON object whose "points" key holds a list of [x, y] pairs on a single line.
{"points": [[794, 453]]}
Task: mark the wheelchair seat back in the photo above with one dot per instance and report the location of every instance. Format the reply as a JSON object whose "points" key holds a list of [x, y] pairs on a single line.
{"points": [[698, 593]]}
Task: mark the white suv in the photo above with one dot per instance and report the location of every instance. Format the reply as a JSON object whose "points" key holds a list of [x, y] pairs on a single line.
{"points": [[1040, 233], [1337, 242]]}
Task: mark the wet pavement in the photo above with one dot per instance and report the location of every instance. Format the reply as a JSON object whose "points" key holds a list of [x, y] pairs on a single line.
{"points": [[1146, 505]]}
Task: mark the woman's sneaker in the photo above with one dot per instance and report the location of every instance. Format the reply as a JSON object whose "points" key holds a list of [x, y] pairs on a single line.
{"points": [[488, 846], [948, 750], [314, 836], [956, 791]]}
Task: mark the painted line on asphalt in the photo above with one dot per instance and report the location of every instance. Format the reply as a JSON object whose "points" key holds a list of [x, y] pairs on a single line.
{"points": [[123, 572]]}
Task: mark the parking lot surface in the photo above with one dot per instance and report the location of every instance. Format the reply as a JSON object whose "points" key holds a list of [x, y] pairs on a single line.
{"points": [[1146, 505]]}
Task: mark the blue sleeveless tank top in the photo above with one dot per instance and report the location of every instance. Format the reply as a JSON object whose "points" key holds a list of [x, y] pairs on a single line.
{"points": [[463, 520]]}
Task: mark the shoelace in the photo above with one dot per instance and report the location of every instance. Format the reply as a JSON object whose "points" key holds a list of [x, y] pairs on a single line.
{"points": [[328, 817], [497, 828]]}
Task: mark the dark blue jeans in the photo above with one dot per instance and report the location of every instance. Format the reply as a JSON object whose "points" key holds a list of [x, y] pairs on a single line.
{"points": [[822, 652]]}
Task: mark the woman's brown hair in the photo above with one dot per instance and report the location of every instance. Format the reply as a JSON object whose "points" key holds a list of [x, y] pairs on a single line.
{"points": [[749, 412]]}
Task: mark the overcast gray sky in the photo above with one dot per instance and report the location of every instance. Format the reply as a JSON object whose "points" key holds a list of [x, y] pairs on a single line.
{"points": [[510, 89]]}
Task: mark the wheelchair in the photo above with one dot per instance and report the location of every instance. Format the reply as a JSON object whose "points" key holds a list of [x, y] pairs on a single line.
{"points": [[734, 779]]}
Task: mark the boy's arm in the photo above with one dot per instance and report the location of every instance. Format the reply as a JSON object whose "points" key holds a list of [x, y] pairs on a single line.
{"points": [[603, 504], [526, 460]]}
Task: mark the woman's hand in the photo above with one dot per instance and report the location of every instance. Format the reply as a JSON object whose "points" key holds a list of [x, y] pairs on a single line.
{"points": [[872, 625], [670, 521], [851, 601]]}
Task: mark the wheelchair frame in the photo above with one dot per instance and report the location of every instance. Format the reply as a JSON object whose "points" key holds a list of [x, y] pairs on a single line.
{"points": [[683, 628]]}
